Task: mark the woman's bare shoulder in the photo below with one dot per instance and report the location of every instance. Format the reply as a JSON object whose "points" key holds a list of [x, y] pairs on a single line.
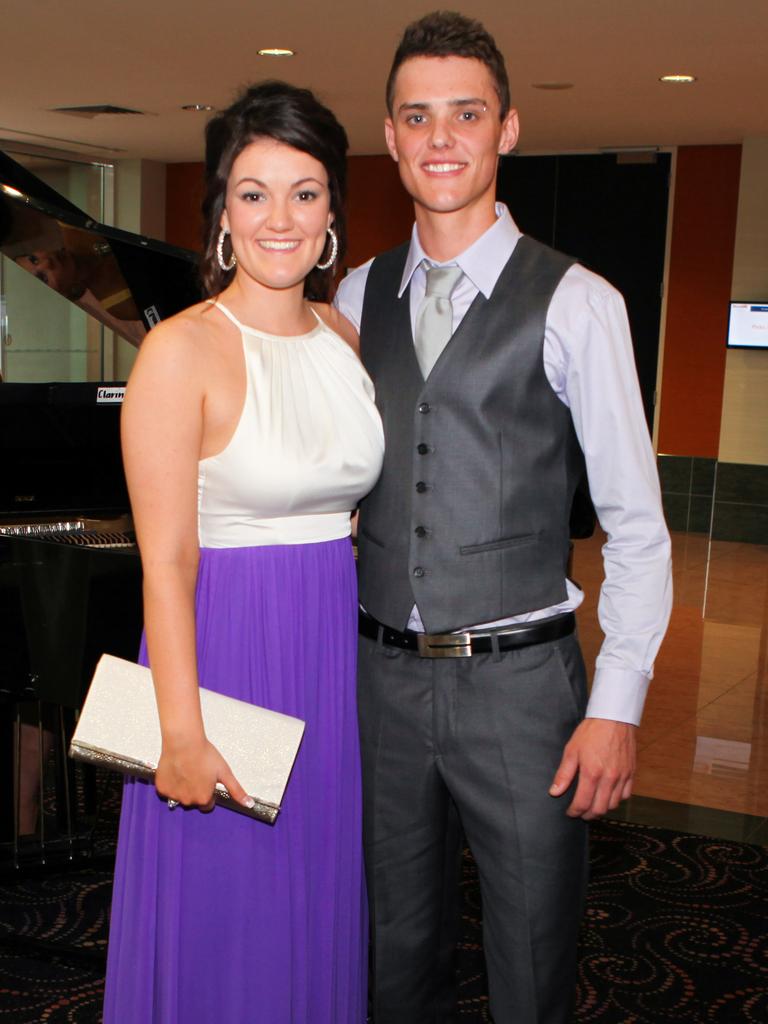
{"points": [[183, 335], [338, 323], [177, 351], [191, 324]]}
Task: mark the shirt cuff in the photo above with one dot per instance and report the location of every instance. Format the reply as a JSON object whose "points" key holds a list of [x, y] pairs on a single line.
{"points": [[618, 695]]}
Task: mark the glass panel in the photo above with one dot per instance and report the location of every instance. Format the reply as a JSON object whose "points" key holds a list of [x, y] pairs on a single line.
{"points": [[46, 336], [43, 334]]}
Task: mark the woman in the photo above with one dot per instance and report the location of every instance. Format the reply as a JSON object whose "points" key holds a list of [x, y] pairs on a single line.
{"points": [[249, 435]]}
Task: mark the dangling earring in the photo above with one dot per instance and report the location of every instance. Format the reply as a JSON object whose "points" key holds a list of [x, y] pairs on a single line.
{"points": [[220, 252], [334, 252]]}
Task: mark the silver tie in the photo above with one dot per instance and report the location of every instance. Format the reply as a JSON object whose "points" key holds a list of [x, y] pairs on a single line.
{"points": [[434, 320]]}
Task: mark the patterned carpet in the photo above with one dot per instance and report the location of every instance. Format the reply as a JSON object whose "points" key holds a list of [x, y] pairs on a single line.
{"points": [[675, 931]]}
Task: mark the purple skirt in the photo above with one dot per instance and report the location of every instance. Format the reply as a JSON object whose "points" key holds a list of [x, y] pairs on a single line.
{"points": [[220, 919]]}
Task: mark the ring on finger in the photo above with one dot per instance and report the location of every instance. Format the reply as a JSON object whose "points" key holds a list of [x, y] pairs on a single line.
{"points": [[172, 805]]}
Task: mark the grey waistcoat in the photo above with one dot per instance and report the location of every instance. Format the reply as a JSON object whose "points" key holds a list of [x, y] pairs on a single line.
{"points": [[469, 519]]}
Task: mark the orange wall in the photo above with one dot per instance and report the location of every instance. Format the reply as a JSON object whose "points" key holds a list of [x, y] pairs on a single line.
{"points": [[698, 292], [378, 208], [183, 196]]}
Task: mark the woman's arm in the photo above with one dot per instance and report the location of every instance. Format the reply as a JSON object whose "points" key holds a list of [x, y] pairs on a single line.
{"points": [[162, 431]]}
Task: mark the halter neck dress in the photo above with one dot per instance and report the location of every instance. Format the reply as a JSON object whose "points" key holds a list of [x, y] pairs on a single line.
{"points": [[217, 918]]}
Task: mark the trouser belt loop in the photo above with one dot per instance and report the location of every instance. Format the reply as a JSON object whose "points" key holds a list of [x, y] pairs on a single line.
{"points": [[495, 649]]}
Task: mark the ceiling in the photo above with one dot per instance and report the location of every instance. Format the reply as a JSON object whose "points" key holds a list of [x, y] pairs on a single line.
{"points": [[155, 55]]}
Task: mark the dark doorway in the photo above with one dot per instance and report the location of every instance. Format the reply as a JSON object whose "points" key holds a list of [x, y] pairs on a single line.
{"points": [[610, 211]]}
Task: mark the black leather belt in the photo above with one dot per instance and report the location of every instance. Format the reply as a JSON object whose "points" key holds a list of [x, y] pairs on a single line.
{"points": [[464, 645]]}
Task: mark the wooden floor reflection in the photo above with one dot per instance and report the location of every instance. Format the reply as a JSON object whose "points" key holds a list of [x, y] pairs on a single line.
{"points": [[703, 742]]}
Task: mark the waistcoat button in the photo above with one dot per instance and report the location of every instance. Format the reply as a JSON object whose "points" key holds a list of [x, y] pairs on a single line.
{"points": [[421, 487], [418, 571], [424, 407], [420, 531], [422, 448]]}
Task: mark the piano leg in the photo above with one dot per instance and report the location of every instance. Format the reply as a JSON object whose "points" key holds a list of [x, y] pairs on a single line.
{"points": [[65, 779], [32, 749]]}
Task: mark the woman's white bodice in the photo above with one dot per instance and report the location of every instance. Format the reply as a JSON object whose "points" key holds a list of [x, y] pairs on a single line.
{"points": [[308, 445]]}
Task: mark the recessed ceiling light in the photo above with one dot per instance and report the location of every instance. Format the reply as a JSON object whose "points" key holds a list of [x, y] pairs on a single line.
{"points": [[276, 51], [553, 86], [678, 79], [197, 106]]}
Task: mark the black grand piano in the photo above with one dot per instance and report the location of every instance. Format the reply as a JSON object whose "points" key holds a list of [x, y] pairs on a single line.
{"points": [[70, 582]]}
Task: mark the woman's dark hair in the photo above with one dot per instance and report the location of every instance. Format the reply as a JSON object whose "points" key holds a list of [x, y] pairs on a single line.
{"points": [[448, 34], [271, 110]]}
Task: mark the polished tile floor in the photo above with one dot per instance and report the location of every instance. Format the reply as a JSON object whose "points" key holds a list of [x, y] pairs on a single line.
{"points": [[703, 742]]}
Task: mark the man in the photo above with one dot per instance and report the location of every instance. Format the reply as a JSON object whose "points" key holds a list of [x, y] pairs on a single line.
{"points": [[501, 367]]}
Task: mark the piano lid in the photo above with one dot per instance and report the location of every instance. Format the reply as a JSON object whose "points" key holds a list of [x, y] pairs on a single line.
{"points": [[126, 281]]}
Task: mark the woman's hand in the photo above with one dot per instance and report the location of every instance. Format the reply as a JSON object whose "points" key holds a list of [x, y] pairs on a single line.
{"points": [[188, 772]]}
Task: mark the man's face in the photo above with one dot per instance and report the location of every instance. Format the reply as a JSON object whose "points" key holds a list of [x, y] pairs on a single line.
{"points": [[446, 134], [53, 267]]}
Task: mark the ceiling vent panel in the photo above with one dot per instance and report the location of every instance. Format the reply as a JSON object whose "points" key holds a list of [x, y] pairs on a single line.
{"points": [[95, 110]]}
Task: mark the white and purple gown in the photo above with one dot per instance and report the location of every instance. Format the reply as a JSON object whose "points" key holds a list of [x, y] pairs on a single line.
{"points": [[217, 918]]}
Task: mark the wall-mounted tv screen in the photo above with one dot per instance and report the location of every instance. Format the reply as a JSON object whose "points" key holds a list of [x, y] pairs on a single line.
{"points": [[748, 325]]}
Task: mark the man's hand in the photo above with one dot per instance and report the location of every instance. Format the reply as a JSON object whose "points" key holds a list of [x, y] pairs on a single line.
{"points": [[603, 754]]}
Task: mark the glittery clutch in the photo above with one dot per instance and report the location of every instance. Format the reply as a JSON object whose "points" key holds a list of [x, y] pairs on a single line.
{"points": [[119, 728]]}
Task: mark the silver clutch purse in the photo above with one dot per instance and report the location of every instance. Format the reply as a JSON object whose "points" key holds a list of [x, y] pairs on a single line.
{"points": [[119, 728]]}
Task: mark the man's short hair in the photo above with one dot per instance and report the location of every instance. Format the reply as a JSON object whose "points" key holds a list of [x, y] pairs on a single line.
{"points": [[449, 34]]}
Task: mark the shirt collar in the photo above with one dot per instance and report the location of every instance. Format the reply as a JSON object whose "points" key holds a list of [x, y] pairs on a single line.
{"points": [[482, 262]]}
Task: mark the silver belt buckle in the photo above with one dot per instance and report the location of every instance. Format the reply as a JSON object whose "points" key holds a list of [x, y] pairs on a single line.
{"points": [[444, 645]]}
